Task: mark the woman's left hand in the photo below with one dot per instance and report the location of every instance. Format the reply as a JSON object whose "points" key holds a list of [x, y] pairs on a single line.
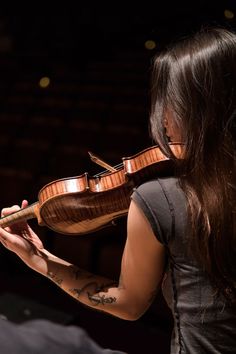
{"points": [[19, 237]]}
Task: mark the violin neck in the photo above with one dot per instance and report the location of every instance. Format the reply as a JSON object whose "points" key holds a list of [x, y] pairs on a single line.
{"points": [[25, 214]]}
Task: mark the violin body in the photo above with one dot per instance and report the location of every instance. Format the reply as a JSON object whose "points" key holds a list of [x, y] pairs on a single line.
{"points": [[79, 205], [84, 204]]}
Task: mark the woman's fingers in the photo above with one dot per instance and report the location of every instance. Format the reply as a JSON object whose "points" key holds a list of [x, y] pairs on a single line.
{"points": [[9, 210], [24, 204], [13, 208]]}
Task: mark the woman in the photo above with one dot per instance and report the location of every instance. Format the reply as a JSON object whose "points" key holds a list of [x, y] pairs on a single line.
{"points": [[182, 226]]}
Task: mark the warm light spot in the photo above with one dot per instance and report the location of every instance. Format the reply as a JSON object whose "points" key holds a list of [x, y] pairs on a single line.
{"points": [[44, 82], [229, 14], [72, 185], [150, 44]]}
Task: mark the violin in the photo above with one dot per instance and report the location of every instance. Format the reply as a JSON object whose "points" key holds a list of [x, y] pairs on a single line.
{"points": [[84, 204]]}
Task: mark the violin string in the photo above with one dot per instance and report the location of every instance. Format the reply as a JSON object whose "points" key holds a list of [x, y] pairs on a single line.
{"points": [[117, 167]]}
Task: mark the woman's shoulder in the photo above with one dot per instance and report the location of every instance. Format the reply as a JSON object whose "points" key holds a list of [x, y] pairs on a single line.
{"points": [[160, 199], [160, 185]]}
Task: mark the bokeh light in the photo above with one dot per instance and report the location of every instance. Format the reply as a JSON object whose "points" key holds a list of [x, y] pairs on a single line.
{"points": [[150, 44], [228, 14], [44, 82]]}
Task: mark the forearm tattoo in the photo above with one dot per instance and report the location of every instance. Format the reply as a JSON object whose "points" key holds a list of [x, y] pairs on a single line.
{"points": [[101, 299], [95, 298], [94, 295], [76, 292], [55, 278], [78, 273]]}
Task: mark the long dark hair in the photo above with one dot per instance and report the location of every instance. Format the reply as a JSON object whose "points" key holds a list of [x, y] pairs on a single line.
{"points": [[196, 80]]}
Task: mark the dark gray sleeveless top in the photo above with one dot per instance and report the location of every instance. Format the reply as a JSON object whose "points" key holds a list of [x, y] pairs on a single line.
{"points": [[202, 323]]}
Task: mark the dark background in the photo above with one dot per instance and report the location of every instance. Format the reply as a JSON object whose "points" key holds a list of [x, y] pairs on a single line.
{"points": [[97, 100]]}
